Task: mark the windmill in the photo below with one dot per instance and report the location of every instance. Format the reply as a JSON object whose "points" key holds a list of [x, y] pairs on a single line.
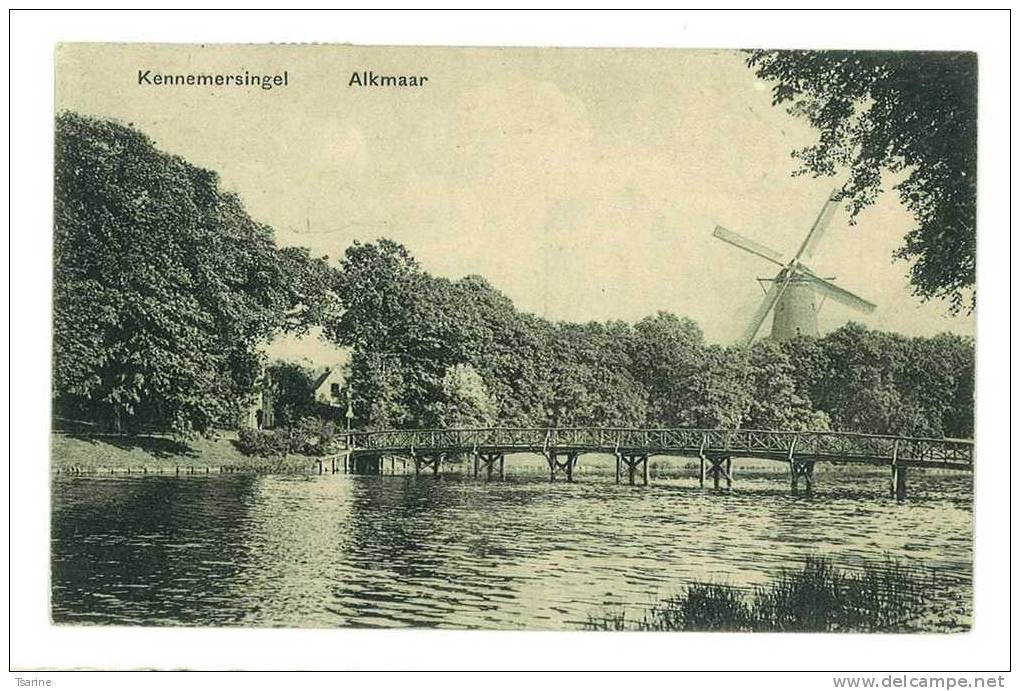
{"points": [[792, 291]]}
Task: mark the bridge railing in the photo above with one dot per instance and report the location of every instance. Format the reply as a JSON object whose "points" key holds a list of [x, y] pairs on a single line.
{"points": [[769, 443]]}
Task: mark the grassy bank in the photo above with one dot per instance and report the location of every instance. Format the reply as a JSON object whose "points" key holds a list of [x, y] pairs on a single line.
{"points": [[92, 453], [884, 597]]}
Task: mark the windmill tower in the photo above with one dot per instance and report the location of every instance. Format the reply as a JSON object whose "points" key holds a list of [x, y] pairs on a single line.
{"points": [[791, 294]]}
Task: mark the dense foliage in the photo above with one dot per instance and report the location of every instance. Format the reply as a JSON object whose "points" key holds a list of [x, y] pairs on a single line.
{"points": [[908, 112], [881, 596], [311, 436], [293, 392], [433, 352], [163, 285]]}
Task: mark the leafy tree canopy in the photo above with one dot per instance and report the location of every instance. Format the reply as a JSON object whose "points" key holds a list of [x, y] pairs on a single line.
{"points": [[775, 401], [457, 352], [163, 285], [465, 402], [292, 392], [901, 111]]}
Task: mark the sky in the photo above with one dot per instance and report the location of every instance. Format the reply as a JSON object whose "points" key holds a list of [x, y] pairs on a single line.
{"points": [[583, 184]]}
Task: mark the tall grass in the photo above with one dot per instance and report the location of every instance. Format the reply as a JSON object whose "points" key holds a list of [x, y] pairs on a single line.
{"points": [[819, 597]]}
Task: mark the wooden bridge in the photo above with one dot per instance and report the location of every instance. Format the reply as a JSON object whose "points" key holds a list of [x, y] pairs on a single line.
{"points": [[714, 448]]}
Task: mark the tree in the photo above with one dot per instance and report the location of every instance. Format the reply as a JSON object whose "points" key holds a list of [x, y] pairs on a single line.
{"points": [[311, 289], [884, 383], [870, 381], [811, 367], [393, 374], [590, 380], [688, 383], [163, 285], [510, 350], [376, 391], [666, 353], [466, 401], [861, 390], [293, 396], [457, 353], [375, 285], [775, 400], [938, 380], [898, 112], [719, 392], [958, 421], [409, 330]]}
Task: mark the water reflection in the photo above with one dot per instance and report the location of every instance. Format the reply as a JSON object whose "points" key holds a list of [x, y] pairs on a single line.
{"points": [[146, 551], [340, 550]]}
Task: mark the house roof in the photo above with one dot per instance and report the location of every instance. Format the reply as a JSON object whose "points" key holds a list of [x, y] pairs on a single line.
{"points": [[321, 378]]}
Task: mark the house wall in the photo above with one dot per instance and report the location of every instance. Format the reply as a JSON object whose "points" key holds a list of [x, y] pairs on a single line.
{"points": [[330, 389]]}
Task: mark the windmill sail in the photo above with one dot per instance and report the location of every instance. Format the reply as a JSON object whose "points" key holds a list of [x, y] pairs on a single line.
{"points": [[775, 292], [796, 306], [844, 297], [821, 223], [749, 245]]}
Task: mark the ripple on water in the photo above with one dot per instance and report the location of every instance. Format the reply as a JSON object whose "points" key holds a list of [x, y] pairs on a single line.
{"points": [[340, 550]]}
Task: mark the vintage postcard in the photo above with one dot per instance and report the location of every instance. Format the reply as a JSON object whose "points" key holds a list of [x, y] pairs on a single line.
{"points": [[513, 338]]}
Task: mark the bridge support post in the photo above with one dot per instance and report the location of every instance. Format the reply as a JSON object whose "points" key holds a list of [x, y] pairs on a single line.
{"points": [[552, 458], [802, 469], [898, 483], [721, 470], [489, 460], [364, 465], [701, 471], [632, 461], [428, 460], [502, 475]]}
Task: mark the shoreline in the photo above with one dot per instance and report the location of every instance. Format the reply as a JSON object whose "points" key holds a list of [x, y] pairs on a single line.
{"points": [[112, 454], [75, 453]]}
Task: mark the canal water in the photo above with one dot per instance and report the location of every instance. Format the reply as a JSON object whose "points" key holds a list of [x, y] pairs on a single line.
{"points": [[454, 552]]}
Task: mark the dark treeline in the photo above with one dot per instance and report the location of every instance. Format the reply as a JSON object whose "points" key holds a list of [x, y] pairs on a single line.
{"points": [[431, 352], [164, 287]]}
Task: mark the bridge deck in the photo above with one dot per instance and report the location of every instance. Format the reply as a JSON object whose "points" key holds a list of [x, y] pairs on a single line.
{"points": [[841, 447]]}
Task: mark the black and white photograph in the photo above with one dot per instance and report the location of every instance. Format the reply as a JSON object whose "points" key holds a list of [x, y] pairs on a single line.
{"points": [[605, 340]]}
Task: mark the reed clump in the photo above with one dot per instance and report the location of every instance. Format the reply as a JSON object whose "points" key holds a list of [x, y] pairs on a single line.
{"points": [[818, 597]]}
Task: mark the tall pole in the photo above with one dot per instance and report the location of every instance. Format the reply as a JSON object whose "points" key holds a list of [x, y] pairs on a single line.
{"points": [[350, 416]]}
